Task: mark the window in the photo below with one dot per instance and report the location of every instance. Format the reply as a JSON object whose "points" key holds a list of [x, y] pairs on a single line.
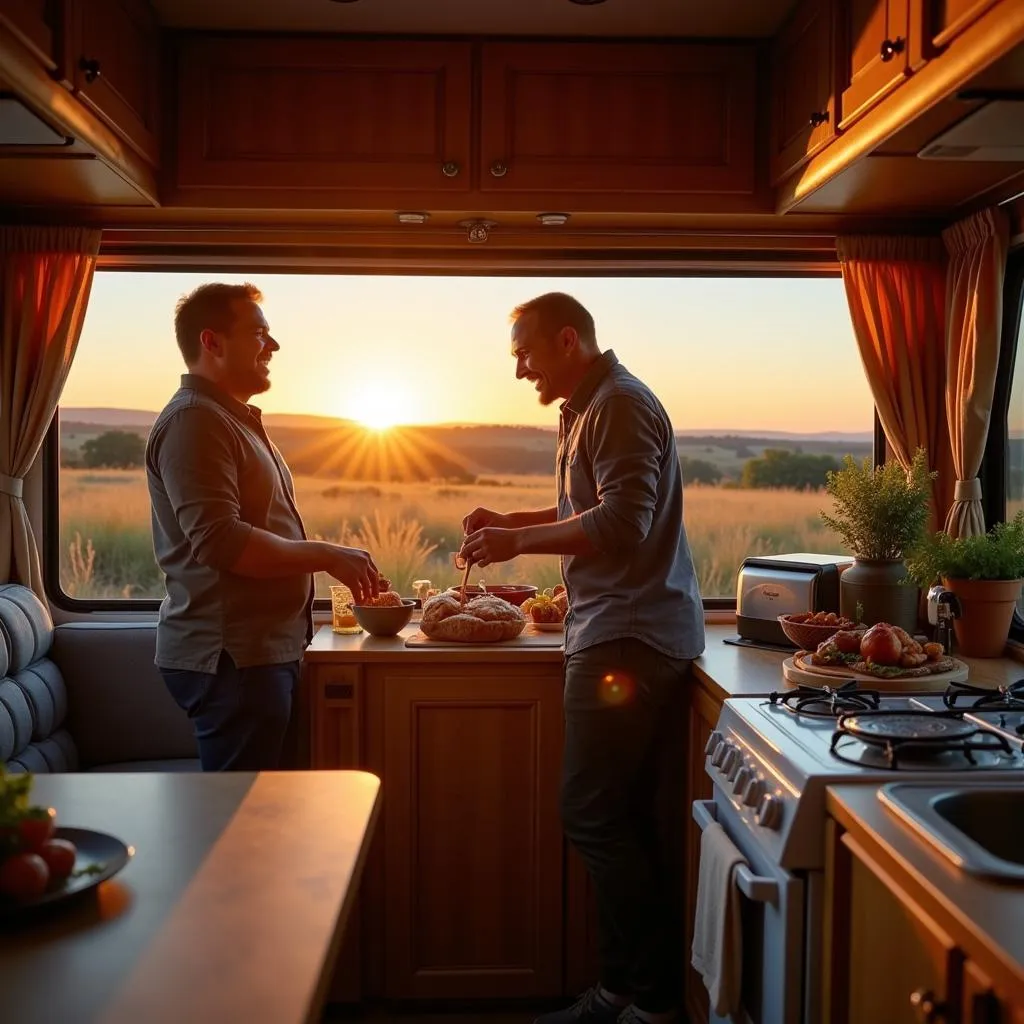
{"points": [[395, 403]]}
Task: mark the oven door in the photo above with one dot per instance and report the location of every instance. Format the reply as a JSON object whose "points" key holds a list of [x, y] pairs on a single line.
{"points": [[772, 913]]}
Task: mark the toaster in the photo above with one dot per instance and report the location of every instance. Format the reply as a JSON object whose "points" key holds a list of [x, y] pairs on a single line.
{"points": [[773, 585]]}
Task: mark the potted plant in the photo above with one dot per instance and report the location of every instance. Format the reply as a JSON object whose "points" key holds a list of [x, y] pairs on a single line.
{"points": [[880, 513], [985, 573]]}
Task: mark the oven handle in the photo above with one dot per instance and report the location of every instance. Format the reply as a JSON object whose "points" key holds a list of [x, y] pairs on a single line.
{"points": [[754, 887]]}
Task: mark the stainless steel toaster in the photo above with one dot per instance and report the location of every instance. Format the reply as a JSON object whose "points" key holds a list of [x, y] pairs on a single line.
{"points": [[773, 585]]}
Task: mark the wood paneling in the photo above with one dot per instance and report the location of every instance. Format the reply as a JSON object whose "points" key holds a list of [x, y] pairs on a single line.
{"points": [[875, 54], [584, 117], [34, 22], [804, 95], [323, 114], [473, 888], [116, 67], [948, 18]]}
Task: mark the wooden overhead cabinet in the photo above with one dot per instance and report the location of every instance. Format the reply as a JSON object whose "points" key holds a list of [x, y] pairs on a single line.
{"points": [[804, 91], [291, 115], [34, 22], [618, 117], [946, 19], [874, 52]]}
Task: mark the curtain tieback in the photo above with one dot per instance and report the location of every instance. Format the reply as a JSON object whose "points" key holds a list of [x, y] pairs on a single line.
{"points": [[967, 490], [12, 485]]}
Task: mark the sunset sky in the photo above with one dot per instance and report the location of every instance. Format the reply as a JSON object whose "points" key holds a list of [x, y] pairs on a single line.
{"points": [[721, 353]]}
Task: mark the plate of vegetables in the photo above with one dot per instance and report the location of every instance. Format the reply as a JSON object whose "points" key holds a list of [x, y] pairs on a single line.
{"points": [[41, 862]]}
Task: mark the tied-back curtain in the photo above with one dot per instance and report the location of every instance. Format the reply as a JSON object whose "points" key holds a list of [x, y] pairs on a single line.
{"points": [[977, 249], [896, 291], [45, 278]]}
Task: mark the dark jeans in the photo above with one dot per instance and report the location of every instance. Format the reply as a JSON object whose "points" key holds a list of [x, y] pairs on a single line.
{"points": [[623, 764], [240, 715]]}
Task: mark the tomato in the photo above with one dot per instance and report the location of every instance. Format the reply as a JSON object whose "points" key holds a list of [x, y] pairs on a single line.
{"points": [[24, 876], [37, 827], [59, 855]]}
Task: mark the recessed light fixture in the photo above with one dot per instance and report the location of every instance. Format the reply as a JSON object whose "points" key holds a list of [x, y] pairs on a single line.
{"points": [[553, 220], [408, 216]]}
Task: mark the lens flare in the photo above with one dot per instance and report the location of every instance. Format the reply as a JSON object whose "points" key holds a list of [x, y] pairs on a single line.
{"points": [[617, 688]]}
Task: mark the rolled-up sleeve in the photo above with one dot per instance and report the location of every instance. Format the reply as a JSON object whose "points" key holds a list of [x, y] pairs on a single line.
{"points": [[198, 467], [625, 442]]}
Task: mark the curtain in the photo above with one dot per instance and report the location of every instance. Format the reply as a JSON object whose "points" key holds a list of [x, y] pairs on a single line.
{"points": [[45, 278], [977, 249], [896, 291]]}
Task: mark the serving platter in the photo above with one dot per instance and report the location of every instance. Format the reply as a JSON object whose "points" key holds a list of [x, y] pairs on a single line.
{"points": [[797, 670]]}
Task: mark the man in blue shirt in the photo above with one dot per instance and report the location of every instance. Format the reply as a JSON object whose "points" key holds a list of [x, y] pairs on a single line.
{"points": [[634, 625]]}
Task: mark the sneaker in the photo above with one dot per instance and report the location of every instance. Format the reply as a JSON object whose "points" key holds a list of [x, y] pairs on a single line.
{"points": [[590, 1008]]}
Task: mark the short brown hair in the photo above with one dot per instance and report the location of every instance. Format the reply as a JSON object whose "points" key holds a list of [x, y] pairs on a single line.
{"points": [[556, 310], [207, 307]]}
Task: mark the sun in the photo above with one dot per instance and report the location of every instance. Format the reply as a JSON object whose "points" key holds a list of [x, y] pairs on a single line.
{"points": [[380, 406]]}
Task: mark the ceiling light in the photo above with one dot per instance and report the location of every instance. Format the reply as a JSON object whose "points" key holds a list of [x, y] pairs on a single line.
{"points": [[553, 220]]}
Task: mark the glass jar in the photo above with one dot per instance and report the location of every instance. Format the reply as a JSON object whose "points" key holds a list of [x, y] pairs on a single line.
{"points": [[343, 619]]}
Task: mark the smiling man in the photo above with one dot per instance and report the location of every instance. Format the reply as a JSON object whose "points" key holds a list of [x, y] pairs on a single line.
{"points": [[634, 624], [230, 541]]}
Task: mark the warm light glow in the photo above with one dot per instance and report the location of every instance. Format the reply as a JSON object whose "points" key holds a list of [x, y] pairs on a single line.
{"points": [[380, 405]]}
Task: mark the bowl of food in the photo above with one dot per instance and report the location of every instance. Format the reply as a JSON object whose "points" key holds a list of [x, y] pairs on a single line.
{"points": [[514, 593], [808, 629], [387, 614]]}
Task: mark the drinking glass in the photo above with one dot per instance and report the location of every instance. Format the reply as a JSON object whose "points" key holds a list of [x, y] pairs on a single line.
{"points": [[343, 619]]}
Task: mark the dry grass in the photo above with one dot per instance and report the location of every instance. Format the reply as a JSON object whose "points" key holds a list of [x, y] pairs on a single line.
{"points": [[412, 529]]}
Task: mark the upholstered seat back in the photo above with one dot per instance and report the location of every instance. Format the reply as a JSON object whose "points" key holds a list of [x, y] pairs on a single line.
{"points": [[33, 697]]}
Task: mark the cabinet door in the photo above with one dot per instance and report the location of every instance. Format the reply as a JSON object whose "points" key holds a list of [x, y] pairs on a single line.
{"points": [[617, 117], [34, 22], [803, 81], [323, 114], [876, 54], [473, 861], [115, 54], [922, 972], [945, 19]]}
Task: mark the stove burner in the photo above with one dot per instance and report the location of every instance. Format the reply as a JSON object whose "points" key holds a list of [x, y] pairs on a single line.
{"points": [[824, 701], [918, 734], [1011, 696]]}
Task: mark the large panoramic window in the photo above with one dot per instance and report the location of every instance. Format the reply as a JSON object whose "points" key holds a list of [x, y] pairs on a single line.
{"points": [[395, 402]]}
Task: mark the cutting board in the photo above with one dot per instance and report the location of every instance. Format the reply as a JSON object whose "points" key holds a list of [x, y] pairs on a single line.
{"points": [[529, 637], [795, 671]]}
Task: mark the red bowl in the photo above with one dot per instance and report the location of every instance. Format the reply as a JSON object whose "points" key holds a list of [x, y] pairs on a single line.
{"points": [[514, 593]]}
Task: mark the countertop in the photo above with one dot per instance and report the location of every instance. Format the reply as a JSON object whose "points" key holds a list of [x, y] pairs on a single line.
{"points": [[724, 669], [983, 918]]}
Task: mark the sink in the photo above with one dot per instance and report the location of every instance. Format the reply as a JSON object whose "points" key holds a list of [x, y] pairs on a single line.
{"points": [[980, 828]]}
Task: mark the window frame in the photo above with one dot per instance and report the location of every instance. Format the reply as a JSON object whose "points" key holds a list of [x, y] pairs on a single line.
{"points": [[50, 547]]}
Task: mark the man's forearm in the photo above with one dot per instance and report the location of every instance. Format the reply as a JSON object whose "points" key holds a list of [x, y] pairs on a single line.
{"points": [[541, 517], [266, 555], [555, 538]]}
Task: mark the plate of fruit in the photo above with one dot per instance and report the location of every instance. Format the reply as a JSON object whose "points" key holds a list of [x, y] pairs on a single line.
{"points": [[546, 612], [41, 862]]}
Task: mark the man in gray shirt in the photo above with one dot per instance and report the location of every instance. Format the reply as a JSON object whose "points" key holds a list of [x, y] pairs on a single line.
{"points": [[230, 540], [634, 625]]}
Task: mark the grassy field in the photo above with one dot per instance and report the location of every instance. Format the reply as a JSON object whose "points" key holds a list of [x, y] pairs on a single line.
{"points": [[412, 529]]}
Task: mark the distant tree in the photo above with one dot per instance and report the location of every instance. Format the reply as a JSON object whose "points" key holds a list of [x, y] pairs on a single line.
{"points": [[778, 467], [116, 449], [699, 471]]}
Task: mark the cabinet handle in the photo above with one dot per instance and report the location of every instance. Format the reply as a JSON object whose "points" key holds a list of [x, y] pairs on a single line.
{"points": [[91, 67], [890, 47], [928, 1010], [818, 118], [450, 169], [499, 169]]}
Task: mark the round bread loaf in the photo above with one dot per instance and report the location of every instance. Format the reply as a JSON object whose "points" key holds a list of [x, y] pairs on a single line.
{"points": [[484, 619]]}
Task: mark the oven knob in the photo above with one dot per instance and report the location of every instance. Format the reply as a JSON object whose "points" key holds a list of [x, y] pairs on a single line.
{"points": [[769, 811], [731, 762], [753, 792], [720, 751], [712, 744], [742, 778]]}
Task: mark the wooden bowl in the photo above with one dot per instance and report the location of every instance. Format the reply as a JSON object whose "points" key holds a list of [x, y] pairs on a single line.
{"points": [[807, 635]]}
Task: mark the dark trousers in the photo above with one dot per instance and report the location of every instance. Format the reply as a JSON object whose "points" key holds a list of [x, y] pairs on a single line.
{"points": [[623, 764], [240, 715]]}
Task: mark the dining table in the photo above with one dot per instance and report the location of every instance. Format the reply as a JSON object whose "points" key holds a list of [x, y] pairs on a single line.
{"points": [[231, 906]]}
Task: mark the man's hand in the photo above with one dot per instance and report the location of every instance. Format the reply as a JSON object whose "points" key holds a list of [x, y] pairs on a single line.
{"points": [[491, 544], [354, 567], [481, 517]]}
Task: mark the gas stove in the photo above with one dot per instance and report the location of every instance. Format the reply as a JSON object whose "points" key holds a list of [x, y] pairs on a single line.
{"points": [[771, 758]]}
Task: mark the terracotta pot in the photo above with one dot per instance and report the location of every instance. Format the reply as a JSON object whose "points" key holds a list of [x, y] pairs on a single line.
{"points": [[986, 611], [874, 585]]}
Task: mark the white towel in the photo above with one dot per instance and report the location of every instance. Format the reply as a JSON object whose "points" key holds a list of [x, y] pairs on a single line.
{"points": [[717, 952]]}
